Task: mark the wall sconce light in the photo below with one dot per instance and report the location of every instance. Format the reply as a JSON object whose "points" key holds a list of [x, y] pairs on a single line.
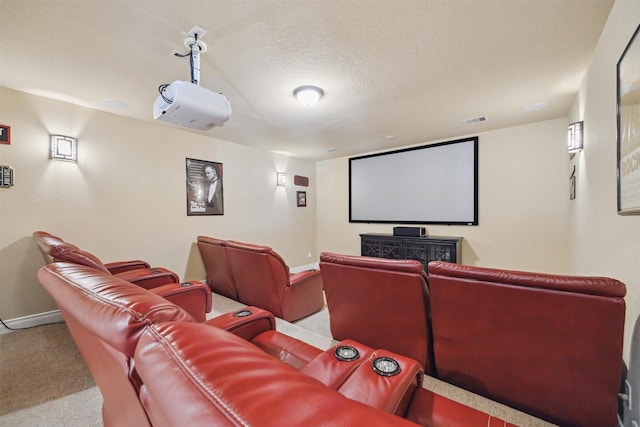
{"points": [[308, 95], [282, 179], [574, 137], [63, 148]]}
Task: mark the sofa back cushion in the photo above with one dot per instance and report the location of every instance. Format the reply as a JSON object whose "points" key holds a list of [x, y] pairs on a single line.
{"points": [[194, 374], [216, 263], [261, 275], [545, 344], [379, 302]]}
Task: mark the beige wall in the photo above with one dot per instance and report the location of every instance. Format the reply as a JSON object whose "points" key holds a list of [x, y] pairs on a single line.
{"points": [[125, 198], [601, 241]]}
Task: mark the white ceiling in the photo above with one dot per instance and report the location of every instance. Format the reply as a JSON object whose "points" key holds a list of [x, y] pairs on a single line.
{"points": [[414, 69]]}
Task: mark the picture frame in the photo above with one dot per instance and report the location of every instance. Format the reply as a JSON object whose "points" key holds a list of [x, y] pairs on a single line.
{"points": [[205, 190], [301, 198], [5, 134], [628, 127], [572, 184]]}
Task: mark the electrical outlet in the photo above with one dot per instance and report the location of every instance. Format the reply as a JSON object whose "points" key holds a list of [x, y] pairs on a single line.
{"points": [[308, 254]]}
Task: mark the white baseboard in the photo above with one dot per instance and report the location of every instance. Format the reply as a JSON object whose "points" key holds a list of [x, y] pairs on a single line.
{"points": [[298, 269], [53, 316]]}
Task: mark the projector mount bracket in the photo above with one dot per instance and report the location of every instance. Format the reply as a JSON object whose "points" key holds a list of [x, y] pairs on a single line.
{"points": [[196, 46]]}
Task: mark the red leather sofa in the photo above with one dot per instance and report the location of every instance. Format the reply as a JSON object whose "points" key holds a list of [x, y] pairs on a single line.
{"points": [[216, 262], [195, 297], [257, 275], [548, 345], [383, 303], [156, 366]]}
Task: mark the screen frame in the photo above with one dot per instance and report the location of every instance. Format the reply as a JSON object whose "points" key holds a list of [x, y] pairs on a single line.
{"points": [[473, 221]]}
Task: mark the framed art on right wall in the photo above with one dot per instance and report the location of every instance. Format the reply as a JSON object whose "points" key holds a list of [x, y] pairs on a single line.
{"points": [[628, 122], [301, 199]]}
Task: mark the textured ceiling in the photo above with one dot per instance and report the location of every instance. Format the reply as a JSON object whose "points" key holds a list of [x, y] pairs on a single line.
{"points": [[414, 69]]}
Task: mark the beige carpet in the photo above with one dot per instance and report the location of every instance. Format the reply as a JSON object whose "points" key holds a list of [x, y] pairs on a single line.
{"points": [[44, 381]]}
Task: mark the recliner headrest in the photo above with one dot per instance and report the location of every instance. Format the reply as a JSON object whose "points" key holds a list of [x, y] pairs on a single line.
{"points": [[113, 309], [71, 253], [602, 286], [404, 265]]}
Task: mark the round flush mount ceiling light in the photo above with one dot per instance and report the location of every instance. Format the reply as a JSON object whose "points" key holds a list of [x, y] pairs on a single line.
{"points": [[308, 95]]}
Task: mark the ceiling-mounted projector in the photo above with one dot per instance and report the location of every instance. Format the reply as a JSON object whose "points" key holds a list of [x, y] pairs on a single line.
{"points": [[187, 104]]}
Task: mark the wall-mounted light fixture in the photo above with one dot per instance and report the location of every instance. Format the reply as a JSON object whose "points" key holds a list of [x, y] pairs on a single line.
{"points": [[308, 95], [574, 137], [282, 179], [63, 148]]}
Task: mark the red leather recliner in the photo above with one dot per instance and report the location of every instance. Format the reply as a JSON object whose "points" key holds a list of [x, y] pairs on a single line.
{"points": [[46, 241], [548, 345], [235, 384], [106, 316], [216, 263], [195, 297], [379, 302], [263, 279]]}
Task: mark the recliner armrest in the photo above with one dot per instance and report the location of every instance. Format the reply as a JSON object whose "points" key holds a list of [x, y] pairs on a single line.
{"points": [[288, 349], [149, 278], [246, 326], [193, 297], [302, 276], [122, 266], [389, 392]]}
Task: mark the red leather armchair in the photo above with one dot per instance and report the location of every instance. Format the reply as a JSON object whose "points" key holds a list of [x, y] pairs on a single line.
{"points": [[379, 302], [216, 263], [147, 278], [263, 279], [46, 241], [548, 345], [195, 297]]}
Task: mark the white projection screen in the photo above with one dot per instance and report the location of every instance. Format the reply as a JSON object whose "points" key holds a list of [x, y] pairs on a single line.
{"points": [[430, 184]]}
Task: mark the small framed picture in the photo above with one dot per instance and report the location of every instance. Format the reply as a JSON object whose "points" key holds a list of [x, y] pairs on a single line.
{"points": [[5, 134], [301, 197]]}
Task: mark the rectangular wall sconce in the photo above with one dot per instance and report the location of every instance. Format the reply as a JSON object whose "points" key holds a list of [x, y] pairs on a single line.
{"points": [[282, 179], [63, 148], [574, 137]]}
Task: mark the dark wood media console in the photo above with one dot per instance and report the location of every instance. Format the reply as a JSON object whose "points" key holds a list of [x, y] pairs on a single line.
{"points": [[423, 249]]}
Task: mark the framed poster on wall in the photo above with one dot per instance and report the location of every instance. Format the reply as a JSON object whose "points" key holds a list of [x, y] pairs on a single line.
{"points": [[301, 199], [204, 188], [628, 144]]}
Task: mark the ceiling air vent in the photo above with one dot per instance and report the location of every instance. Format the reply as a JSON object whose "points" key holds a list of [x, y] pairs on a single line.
{"points": [[475, 120]]}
